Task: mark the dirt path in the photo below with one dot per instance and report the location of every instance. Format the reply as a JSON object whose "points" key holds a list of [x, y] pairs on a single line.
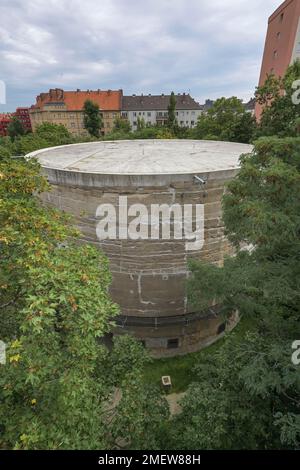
{"points": [[173, 400]]}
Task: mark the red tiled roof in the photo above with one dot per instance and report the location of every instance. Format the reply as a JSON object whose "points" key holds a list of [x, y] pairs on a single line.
{"points": [[74, 100]]}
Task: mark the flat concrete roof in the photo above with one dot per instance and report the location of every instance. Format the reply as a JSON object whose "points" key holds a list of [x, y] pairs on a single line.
{"points": [[143, 157]]}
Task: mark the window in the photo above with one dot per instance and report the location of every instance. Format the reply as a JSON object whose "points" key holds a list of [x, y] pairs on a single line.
{"points": [[278, 35], [134, 123], [134, 114], [221, 328], [275, 55], [173, 343], [281, 18], [193, 113], [140, 113], [149, 114], [192, 123]]}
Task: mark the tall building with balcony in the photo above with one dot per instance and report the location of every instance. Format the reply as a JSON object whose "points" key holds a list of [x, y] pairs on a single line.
{"points": [[153, 109], [66, 107], [282, 46]]}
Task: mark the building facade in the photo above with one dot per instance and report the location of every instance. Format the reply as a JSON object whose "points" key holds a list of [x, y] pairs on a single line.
{"points": [[153, 109], [5, 119], [282, 46], [66, 107], [23, 115]]}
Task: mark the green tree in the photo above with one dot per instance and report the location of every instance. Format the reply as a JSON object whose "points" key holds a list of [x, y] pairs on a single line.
{"points": [[280, 114], [172, 121], [140, 123], [58, 382], [92, 118], [227, 120], [249, 396], [53, 132], [45, 135], [54, 306], [4, 152], [122, 125], [15, 128]]}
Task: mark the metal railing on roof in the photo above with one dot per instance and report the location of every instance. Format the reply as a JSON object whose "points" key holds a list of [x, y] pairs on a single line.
{"points": [[123, 321]]}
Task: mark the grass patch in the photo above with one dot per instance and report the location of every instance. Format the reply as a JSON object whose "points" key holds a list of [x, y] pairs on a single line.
{"points": [[181, 368]]}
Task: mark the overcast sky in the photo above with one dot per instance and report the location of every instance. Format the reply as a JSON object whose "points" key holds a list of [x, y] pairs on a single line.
{"points": [[210, 48]]}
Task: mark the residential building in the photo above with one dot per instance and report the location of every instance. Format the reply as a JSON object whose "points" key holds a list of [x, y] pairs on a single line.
{"points": [[282, 46], [207, 105], [153, 109], [250, 106], [5, 119], [23, 115], [66, 107]]}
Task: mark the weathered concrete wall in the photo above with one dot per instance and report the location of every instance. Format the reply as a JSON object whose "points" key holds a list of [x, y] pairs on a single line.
{"points": [[149, 276]]}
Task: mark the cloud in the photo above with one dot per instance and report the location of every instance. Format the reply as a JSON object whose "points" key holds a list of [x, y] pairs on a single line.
{"points": [[154, 46]]}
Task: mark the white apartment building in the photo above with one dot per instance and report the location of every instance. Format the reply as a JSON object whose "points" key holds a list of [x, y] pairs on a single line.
{"points": [[153, 109]]}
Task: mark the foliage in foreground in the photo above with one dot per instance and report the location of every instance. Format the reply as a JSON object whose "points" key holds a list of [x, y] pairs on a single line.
{"points": [[281, 116], [46, 135], [55, 308], [248, 395]]}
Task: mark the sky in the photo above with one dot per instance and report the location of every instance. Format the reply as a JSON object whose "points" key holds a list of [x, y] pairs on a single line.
{"points": [[209, 48]]}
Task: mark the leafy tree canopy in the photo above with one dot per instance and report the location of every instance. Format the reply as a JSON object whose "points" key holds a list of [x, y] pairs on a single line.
{"points": [[249, 395], [172, 121], [281, 116], [226, 120], [15, 128], [92, 118], [55, 309], [122, 125]]}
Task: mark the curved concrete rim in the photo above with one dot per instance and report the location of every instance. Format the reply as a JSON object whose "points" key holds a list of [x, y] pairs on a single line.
{"points": [[128, 158]]}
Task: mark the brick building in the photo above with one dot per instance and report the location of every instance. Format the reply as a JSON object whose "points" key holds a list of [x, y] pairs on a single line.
{"points": [[66, 107], [4, 122], [23, 115], [282, 46]]}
